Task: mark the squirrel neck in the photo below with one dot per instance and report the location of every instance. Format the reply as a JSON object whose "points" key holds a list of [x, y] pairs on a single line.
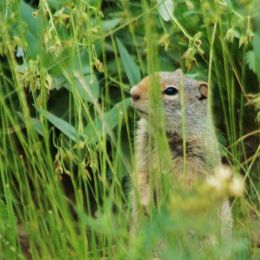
{"points": [[201, 146], [193, 147]]}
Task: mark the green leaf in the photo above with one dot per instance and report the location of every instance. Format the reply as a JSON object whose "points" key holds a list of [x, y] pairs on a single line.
{"points": [[74, 72], [62, 125], [34, 29], [57, 4], [253, 56], [165, 8], [87, 87], [69, 62], [106, 122], [256, 44], [36, 123], [108, 25], [130, 67], [250, 60]]}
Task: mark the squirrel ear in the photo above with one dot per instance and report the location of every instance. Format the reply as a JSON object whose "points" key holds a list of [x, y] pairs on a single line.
{"points": [[178, 72], [203, 89]]}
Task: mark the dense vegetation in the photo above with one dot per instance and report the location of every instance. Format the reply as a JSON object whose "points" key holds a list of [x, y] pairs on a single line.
{"points": [[67, 127]]}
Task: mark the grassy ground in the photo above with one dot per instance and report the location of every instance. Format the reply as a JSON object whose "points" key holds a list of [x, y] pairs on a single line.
{"points": [[67, 128]]}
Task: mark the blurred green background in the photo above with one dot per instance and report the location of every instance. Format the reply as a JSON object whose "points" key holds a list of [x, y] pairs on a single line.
{"points": [[67, 127]]}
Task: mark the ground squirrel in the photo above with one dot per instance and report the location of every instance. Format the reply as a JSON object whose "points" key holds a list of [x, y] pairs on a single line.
{"points": [[202, 153]]}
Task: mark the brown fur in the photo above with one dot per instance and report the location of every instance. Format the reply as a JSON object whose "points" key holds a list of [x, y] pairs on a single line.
{"points": [[201, 152]]}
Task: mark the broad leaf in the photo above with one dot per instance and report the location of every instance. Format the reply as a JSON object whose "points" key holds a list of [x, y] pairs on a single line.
{"points": [[250, 60], [108, 25], [62, 125], [130, 67], [34, 29], [87, 86], [256, 44], [57, 4]]}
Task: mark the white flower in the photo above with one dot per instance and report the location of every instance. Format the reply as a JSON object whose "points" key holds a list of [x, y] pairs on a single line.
{"points": [[237, 187], [214, 183], [223, 173]]}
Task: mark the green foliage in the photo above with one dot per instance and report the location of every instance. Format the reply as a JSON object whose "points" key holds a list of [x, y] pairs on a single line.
{"points": [[131, 69], [253, 57], [66, 139]]}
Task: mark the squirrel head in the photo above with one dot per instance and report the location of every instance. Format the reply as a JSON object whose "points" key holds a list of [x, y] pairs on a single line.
{"points": [[176, 90]]}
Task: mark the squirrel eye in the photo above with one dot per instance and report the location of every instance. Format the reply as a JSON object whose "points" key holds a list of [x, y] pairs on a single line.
{"points": [[171, 91]]}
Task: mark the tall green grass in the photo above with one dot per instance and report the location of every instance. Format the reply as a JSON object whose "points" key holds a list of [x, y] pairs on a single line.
{"points": [[67, 128]]}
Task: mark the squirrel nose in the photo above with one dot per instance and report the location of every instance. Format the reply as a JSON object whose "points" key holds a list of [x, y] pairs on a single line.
{"points": [[135, 97], [134, 93]]}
